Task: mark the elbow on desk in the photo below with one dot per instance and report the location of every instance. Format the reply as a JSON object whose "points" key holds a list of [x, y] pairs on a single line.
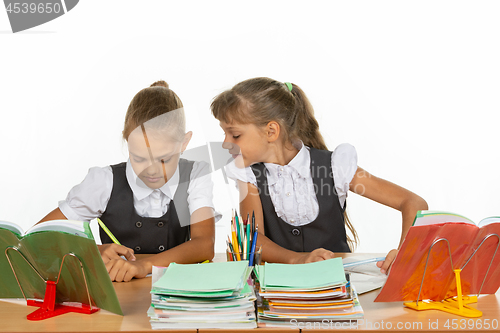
{"points": [[206, 249]]}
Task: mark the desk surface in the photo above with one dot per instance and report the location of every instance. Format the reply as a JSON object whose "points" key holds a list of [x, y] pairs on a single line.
{"points": [[135, 298]]}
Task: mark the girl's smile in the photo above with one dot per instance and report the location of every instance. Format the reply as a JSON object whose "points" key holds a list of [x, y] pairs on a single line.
{"points": [[250, 144], [153, 180], [244, 142]]}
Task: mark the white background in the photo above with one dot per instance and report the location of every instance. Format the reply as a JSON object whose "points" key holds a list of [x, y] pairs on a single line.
{"points": [[413, 85]]}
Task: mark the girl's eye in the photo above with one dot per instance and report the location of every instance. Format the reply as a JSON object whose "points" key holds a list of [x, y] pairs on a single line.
{"points": [[236, 136], [138, 160], [164, 162]]}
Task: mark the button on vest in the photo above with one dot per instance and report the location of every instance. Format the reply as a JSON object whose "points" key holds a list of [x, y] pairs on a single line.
{"points": [[147, 234], [327, 230]]}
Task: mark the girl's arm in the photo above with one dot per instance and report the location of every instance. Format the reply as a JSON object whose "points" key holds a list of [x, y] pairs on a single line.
{"points": [[56, 214], [392, 195], [108, 251], [199, 248], [272, 252]]}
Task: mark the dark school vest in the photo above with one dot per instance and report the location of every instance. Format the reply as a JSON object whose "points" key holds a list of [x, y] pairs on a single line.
{"points": [[327, 230], [146, 234]]}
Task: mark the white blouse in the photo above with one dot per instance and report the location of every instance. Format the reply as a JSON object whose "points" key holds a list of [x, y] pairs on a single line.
{"points": [[89, 199], [291, 186]]}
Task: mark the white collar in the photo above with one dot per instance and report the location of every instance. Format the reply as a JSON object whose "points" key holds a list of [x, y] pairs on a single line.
{"points": [[300, 163], [141, 190]]}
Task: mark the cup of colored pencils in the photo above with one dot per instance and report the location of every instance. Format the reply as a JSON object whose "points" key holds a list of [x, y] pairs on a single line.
{"points": [[242, 243], [256, 256]]}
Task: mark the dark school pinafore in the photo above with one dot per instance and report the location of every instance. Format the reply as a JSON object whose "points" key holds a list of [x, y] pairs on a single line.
{"points": [[327, 230], [146, 234]]}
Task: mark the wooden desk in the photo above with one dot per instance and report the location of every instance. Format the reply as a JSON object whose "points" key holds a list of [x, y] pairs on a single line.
{"points": [[135, 299]]}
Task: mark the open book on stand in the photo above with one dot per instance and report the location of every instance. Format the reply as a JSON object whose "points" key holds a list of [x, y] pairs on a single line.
{"points": [[56, 251], [437, 244]]}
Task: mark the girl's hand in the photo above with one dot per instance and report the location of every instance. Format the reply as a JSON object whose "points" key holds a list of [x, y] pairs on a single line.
{"points": [[114, 251], [386, 264], [316, 255], [121, 270]]}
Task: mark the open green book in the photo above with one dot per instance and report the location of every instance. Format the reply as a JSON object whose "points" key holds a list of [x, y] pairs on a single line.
{"points": [[43, 247]]}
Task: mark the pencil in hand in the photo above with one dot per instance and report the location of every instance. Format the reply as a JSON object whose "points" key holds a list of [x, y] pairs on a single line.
{"points": [[106, 230]]}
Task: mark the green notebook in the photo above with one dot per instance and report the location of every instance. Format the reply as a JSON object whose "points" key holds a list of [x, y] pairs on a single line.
{"points": [[219, 279], [44, 246], [320, 274]]}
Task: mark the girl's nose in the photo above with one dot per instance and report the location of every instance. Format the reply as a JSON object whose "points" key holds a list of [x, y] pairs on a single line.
{"points": [[227, 145], [153, 169]]}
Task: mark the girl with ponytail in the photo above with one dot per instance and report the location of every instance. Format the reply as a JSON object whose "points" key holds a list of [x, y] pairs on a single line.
{"points": [[289, 179]]}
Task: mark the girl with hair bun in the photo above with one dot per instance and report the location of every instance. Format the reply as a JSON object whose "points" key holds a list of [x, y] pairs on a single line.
{"points": [[156, 202]]}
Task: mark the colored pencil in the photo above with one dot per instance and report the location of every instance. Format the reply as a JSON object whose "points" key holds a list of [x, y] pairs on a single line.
{"points": [[230, 253], [238, 231], [248, 241], [235, 244], [231, 248], [244, 247], [252, 249], [253, 221], [108, 232]]}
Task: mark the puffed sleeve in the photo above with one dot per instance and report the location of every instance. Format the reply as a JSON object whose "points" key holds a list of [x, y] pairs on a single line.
{"points": [[243, 174], [344, 166], [89, 199], [200, 190]]}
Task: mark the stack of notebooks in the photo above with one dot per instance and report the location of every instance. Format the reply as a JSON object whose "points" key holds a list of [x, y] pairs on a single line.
{"points": [[212, 295], [310, 293]]}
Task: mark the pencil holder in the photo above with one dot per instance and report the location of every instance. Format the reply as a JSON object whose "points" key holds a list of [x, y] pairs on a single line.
{"points": [[253, 257]]}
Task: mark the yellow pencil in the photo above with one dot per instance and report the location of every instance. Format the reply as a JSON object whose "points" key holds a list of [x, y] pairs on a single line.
{"points": [[235, 244], [244, 247], [106, 230]]}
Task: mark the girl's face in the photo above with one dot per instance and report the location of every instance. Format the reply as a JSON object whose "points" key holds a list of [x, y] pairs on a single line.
{"points": [[246, 143], [155, 164]]}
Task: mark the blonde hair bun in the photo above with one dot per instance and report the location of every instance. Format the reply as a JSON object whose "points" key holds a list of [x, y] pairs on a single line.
{"points": [[160, 83]]}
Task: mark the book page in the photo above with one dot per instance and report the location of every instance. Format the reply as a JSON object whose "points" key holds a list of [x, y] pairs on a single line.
{"points": [[79, 228], [365, 275], [427, 217], [489, 220], [12, 227]]}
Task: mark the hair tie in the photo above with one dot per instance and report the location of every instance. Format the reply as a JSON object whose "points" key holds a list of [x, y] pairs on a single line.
{"points": [[289, 85]]}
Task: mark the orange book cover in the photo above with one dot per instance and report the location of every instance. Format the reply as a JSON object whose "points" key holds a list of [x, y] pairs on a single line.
{"points": [[464, 237]]}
